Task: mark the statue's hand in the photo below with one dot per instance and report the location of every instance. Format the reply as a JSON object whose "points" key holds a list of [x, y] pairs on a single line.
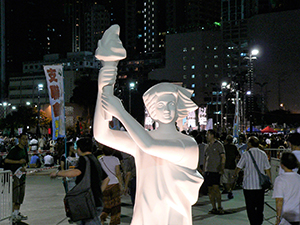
{"points": [[112, 104]]}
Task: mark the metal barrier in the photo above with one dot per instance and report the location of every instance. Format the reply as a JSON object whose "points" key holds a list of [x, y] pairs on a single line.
{"points": [[6, 195]]}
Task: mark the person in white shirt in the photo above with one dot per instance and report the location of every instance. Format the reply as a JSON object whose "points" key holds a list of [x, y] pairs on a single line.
{"points": [[33, 144], [48, 160], [254, 194], [294, 144], [287, 191], [112, 193]]}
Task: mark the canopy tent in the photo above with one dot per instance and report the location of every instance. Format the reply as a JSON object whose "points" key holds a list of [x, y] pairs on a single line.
{"points": [[268, 130], [254, 129]]}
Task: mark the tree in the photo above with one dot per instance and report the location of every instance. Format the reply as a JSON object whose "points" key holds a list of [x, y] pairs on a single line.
{"points": [[85, 94], [22, 118]]}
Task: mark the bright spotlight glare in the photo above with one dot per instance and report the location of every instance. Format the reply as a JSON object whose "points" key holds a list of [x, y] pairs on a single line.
{"points": [[254, 52]]}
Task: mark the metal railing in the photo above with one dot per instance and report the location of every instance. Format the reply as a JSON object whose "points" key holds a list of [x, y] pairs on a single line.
{"points": [[6, 195]]}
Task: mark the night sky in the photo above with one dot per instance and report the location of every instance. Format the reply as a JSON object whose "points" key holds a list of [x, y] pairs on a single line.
{"points": [[29, 23]]}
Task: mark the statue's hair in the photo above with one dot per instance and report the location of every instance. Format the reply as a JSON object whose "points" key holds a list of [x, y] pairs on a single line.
{"points": [[184, 104]]}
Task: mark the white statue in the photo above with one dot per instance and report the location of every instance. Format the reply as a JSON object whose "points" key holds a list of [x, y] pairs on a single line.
{"points": [[166, 160]]}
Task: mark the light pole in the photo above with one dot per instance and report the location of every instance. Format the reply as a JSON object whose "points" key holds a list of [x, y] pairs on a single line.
{"points": [[5, 105], [262, 100], [40, 88], [250, 59], [224, 84], [131, 87]]}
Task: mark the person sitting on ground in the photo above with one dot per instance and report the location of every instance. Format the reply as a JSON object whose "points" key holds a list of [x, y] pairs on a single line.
{"points": [[48, 160], [35, 161], [287, 191]]}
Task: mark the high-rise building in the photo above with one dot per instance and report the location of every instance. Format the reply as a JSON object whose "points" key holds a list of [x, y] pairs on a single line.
{"points": [[2, 51], [96, 21], [237, 44], [192, 15]]}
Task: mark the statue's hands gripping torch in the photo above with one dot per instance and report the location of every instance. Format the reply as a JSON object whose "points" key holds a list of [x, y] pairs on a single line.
{"points": [[110, 51]]}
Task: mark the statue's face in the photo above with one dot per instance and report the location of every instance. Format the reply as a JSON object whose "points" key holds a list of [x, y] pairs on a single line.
{"points": [[166, 108]]}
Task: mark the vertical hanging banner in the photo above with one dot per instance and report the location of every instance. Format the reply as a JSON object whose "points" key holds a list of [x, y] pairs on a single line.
{"points": [[55, 83], [236, 122]]}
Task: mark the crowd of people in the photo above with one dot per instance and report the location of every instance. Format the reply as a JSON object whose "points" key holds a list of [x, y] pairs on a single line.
{"points": [[224, 163], [227, 162]]}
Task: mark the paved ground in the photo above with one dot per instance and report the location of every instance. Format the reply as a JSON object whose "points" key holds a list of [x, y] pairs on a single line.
{"points": [[44, 206]]}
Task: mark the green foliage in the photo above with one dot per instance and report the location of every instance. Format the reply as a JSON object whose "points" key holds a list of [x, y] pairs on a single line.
{"points": [[23, 117], [85, 94]]}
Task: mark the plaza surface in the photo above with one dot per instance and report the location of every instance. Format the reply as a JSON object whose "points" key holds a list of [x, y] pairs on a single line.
{"points": [[44, 206]]}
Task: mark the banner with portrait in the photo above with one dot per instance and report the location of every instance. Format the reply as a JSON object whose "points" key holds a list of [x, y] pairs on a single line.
{"points": [[55, 84]]}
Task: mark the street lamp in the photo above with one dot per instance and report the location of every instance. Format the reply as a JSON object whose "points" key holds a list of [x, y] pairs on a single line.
{"points": [[131, 87], [250, 59], [5, 105], [223, 86], [40, 88]]}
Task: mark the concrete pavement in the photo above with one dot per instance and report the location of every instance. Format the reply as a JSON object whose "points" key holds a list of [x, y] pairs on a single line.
{"points": [[44, 205]]}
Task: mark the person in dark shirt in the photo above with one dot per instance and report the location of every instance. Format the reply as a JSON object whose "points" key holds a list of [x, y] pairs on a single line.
{"points": [[99, 178], [232, 154], [16, 160]]}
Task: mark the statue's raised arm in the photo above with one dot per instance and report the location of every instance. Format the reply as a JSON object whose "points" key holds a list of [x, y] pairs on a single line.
{"points": [[109, 51]]}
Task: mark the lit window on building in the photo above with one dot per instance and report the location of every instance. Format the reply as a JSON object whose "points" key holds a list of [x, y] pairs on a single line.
{"points": [[184, 77], [216, 47], [192, 48], [206, 76], [216, 56], [184, 67], [207, 47], [216, 66], [193, 95], [193, 85], [193, 76], [205, 66], [184, 49]]}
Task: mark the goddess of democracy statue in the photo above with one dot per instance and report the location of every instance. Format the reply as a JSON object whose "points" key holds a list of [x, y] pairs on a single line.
{"points": [[166, 160]]}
